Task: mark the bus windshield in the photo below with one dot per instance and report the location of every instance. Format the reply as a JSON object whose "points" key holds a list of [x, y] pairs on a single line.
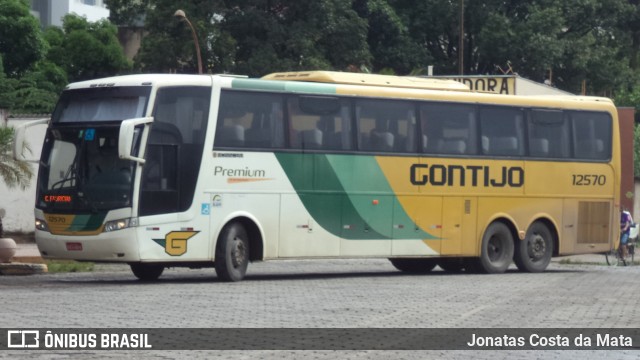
{"points": [[81, 171], [80, 168]]}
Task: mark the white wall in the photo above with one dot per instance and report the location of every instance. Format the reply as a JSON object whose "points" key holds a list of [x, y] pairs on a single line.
{"points": [[17, 203]]}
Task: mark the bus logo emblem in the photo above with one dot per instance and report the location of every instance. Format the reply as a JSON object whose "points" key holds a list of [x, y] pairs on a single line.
{"points": [[175, 242]]}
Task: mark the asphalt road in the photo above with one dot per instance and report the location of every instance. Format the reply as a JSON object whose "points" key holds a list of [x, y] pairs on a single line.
{"points": [[326, 294]]}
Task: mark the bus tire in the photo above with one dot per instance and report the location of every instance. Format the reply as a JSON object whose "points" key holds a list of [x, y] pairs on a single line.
{"points": [[497, 249], [454, 265], [146, 272], [416, 266], [232, 253], [534, 253]]}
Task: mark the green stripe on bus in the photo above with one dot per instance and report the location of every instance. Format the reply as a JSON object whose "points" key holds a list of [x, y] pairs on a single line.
{"points": [[371, 194], [273, 85], [87, 222], [349, 196]]}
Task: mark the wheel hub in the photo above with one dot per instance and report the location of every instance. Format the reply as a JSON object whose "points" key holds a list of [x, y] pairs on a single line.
{"points": [[537, 247], [494, 249], [238, 253]]}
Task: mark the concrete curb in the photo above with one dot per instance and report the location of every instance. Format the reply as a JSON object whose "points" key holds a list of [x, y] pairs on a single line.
{"points": [[22, 269]]}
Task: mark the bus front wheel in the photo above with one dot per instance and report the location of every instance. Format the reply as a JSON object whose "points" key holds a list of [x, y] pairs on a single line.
{"points": [[417, 266], [146, 272], [232, 253], [497, 249], [533, 254]]}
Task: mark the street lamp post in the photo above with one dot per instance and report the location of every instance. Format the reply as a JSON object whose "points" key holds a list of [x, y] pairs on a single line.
{"points": [[180, 14]]}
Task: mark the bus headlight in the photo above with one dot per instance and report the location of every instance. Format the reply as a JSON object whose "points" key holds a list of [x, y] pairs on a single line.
{"points": [[120, 224], [41, 225]]}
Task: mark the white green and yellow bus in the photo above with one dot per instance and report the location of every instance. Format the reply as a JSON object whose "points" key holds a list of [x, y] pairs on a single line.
{"points": [[173, 170]]}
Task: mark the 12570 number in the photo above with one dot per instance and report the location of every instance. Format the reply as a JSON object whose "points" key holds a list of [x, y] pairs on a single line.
{"points": [[589, 180]]}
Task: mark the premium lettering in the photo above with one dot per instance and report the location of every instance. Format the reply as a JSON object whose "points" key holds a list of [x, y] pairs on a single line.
{"points": [[474, 175], [246, 172]]}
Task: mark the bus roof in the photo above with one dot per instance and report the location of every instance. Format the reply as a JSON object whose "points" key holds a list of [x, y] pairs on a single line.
{"points": [[143, 80], [347, 78]]}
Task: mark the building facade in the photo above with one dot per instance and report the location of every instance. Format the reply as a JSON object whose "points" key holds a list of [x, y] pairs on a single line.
{"points": [[51, 12]]}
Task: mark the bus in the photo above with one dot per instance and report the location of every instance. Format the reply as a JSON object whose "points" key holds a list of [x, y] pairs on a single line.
{"points": [[218, 171]]}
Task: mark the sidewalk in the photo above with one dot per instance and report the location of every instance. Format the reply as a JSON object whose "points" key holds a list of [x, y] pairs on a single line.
{"points": [[27, 252]]}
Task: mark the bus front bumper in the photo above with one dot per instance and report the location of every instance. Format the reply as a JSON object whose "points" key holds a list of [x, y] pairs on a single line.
{"points": [[116, 246]]}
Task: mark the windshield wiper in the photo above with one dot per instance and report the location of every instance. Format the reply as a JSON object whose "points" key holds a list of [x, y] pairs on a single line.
{"points": [[69, 176]]}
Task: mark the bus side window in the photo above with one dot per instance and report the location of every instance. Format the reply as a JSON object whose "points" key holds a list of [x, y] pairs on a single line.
{"points": [[319, 123], [502, 131], [249, 121], [591, 135], [548, 134], [448, 129], [386, 126]]}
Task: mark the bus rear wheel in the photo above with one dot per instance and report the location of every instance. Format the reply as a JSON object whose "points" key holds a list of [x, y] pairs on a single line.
{"points": [[232, 253], [533, 254], [146, 272], [497, 249], [416, 266]]}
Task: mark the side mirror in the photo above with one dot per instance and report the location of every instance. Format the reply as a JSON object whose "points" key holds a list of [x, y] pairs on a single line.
{"points": [[18, 140], [127, 136]]}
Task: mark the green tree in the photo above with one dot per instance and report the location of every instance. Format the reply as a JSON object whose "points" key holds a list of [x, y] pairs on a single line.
{"points": [[21, 42], [6, 92], [573, 40], [14, 173], [295, 35], [169, 46], [392, 48], [86, 50], [254, 37], [33, 94]]}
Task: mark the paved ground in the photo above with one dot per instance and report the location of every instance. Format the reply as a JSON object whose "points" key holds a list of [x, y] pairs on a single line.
{"points": [[576, 292], [29, 251], [328, 294]]}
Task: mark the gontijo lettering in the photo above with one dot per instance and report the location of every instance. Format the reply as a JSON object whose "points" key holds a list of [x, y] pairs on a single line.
{"points": [[450, 175]]}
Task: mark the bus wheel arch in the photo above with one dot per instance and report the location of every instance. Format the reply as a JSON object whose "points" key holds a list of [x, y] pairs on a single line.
{"points": [[534, 252]]}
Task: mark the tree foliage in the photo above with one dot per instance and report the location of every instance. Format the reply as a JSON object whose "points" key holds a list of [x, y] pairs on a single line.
{"points": [[21, 42], [569, 42], [79, 50], [169, 45], [87, 50], [14, 173]]}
